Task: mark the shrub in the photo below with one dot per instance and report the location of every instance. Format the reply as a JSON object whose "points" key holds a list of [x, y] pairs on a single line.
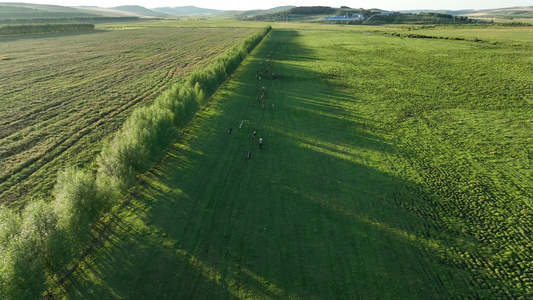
{"points": [[39, 221], [151, 128], [77, 205], [22, 273], [169, 100], [112, 161], [9, 225], [39, 228], [144, 136], [22, 264]]}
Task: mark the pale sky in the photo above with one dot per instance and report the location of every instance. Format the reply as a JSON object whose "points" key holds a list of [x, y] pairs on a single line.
{"points": [[248, 5]]}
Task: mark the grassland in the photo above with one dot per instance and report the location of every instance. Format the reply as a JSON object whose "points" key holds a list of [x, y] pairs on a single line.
{"points": [[392, 168], [507, 13], [482, 33], [59, 102], [186, 22]]}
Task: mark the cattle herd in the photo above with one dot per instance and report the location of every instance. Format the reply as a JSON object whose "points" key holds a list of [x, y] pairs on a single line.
{"points": [[265, 71]]}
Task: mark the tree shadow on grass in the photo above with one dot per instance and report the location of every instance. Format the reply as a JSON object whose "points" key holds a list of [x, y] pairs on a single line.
{"points": [[314, 215]]}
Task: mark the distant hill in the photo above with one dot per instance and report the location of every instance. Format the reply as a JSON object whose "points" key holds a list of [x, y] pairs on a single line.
{"points": [[439, 11], [43, 7], [12, 10], [304, 13], [377, 16], [26, 11], [356, 16], [140, 10], [108, 12], [510, 12], [256, 12], [186, 10]]}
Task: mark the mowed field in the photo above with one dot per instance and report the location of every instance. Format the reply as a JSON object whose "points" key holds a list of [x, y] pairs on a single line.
{"points": [[392, 168], [61, 94]]}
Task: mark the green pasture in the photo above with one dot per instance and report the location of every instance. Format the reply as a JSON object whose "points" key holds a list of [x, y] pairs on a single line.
{"points": [[520, 36], [392, 168], [521, 20], [61, 94]]}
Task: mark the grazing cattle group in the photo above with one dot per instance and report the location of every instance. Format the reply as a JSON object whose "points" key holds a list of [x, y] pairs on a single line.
{"points": [[265, 72]]}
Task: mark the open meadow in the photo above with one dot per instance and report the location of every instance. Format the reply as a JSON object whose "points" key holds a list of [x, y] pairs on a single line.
{"points": [[493, 34], [61, 94], [391, 168]]}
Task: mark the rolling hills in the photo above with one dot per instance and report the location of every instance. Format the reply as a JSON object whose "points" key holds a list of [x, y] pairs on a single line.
{"points": [[187, 10], [14, 10], [518, 12], [139, 10], [10, 10]]}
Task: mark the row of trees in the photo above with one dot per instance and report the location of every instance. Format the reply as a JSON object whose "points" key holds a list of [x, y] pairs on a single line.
{"points": [[350, 11], [421, 18], [422, 36], [39, 245], [63, 20], [43, 28], [312, 10], [343, 22]]}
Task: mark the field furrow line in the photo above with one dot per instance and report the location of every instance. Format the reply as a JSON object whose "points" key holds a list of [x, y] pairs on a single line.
{"points": [[76, 94], [55, 151]]}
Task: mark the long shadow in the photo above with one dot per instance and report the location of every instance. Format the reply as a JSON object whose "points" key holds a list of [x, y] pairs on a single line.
{"points": [[345, 215], [450, 250], [316, 214]]}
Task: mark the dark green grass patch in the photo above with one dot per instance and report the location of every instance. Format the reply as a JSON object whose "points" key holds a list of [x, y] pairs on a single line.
{"points": [[308, 216], [43, 28], [459, 114], [391, 169]]}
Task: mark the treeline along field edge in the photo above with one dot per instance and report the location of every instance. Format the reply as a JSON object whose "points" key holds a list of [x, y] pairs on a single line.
{"points": [[42, 242]]}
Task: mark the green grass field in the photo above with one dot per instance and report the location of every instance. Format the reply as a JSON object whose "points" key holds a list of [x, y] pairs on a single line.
{"points": [[63, 93], [392, 168], [521, 36]]}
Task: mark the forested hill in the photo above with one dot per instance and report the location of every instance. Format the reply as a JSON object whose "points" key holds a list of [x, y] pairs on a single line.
{"points": [[510, 12], [13, 10], [136, 9]]}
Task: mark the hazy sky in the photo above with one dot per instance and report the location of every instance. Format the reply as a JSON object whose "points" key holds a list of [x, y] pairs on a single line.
{"points": [[248, 5]]}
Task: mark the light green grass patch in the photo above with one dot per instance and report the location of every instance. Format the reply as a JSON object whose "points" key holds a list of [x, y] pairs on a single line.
{"points": [[392, 168]]}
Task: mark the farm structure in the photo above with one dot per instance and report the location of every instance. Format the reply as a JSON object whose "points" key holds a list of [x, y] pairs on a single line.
{"points": [[344, 18]]}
